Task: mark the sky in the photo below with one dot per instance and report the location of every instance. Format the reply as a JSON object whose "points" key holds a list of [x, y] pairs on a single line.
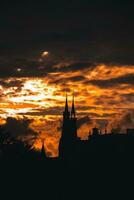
{"points": [[49, 48]]}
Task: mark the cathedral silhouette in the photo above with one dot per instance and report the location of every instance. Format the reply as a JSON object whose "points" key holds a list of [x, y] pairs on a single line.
{"points": [[69, 131], [73, 148]]}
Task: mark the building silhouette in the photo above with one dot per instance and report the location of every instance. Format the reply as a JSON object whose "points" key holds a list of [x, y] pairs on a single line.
{"points": [[69, 131], [73, 148], [96, 131]]}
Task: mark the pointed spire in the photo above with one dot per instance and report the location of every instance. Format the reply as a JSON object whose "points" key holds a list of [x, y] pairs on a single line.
{"points": [[66, 113], [66, 105], [73, 107]]}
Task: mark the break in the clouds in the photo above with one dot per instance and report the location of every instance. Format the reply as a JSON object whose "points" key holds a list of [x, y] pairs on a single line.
{"points": [[103, 93]]}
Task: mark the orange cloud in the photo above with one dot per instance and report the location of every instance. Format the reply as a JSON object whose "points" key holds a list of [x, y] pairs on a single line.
{"points": [[101, 92]]}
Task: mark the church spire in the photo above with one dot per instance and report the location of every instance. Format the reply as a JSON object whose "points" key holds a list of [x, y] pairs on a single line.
{"points": [[73, 108], [66, 111], [66, 105]]}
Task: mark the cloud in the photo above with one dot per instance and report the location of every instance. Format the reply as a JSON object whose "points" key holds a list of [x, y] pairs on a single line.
{"points": [[14, 86], [11, 83], [76, 66], [65, 80], [102, 93], [128, 97], [121, 122], [48, 111], [113, 82], [127, 119], [18, 128], [83, 120]]}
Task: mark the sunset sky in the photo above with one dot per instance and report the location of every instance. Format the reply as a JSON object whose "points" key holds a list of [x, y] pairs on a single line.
{"points": [[48, 49]]}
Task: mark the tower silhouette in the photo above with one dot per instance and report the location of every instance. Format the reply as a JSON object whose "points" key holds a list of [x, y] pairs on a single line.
{"points": [[69, 131], [73, 108]]}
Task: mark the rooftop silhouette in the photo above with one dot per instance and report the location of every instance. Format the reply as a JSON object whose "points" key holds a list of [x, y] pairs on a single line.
{"points": [[81, 166], [72, 148]]}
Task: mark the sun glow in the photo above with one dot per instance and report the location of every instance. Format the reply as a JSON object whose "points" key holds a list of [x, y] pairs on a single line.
{"points": [[34, 91], [33, 94], [42, 99]]}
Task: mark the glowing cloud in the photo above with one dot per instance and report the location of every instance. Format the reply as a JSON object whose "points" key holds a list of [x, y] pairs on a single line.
{"points": [[101, 93]]}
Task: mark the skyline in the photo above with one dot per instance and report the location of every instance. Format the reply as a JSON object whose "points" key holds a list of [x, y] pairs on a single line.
{"points": [[50, 48], [32, 130]]}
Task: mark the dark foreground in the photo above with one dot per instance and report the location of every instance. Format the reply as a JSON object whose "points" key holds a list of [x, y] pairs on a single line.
{"points": [[105, 171], [103, 177]]}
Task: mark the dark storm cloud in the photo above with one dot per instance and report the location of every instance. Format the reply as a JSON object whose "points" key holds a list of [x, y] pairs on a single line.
{"points": [[29, 67], [126, 121], [64, 80], [128, 118], [32, 68], [113, 82], [86, 120], [58, 110], [94, 115], [86, 107], [107, 100], [61, 91], [43, 112], [83, 120], [128, 97], [85, 32], [95, 31], [15, 85], [77, 66], [12, 83], [18, 128]]}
